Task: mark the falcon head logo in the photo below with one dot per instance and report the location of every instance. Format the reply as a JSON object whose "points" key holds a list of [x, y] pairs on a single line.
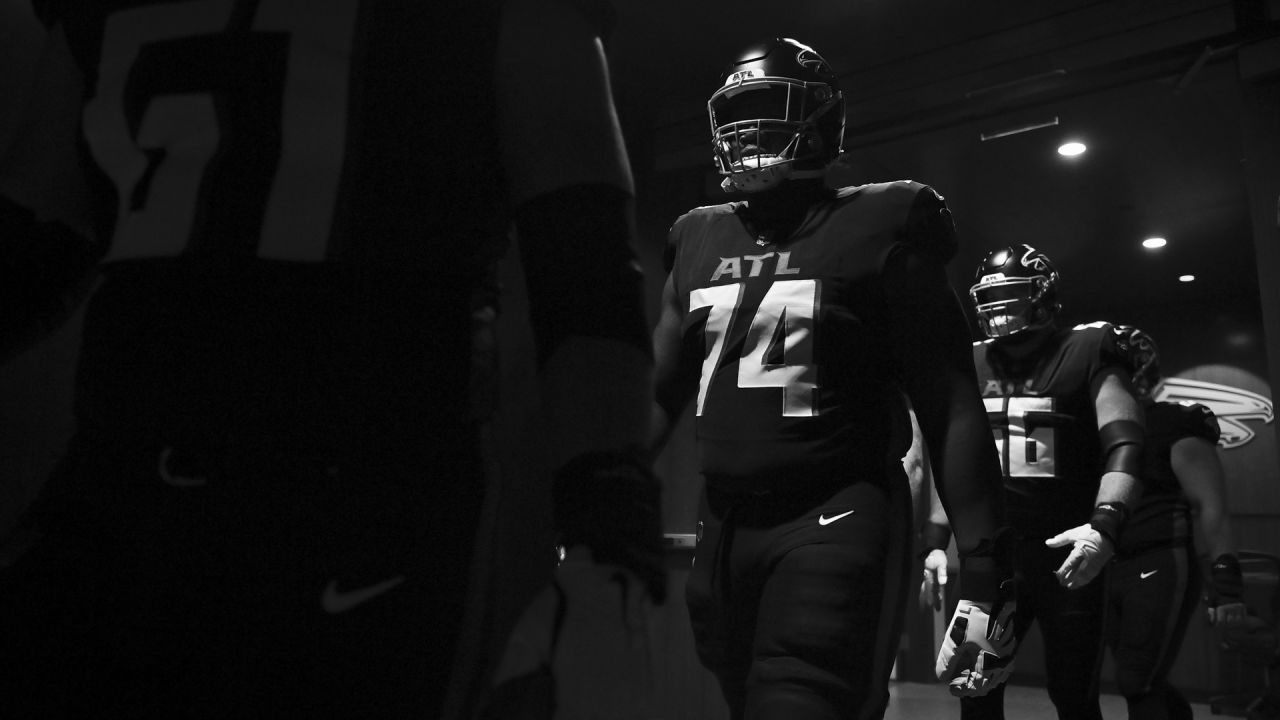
{"points": [[1034, 259], [1233, 406], [811, 60]]}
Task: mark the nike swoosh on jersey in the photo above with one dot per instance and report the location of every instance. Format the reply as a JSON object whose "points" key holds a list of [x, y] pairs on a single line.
{"points": [[1145, 575], [336, 601], [824, 520]]}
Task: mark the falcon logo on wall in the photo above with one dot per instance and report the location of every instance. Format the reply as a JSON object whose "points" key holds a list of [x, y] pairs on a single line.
{"points": [[1233, 406]]}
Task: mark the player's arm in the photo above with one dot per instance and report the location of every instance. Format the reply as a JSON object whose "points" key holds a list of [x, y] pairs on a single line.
{"points": [[1121, 433], [915, 463], [572, 199], [932, 346], [47, 252], [935, 536], [674, 384], [571, 194], [1121, 429], [571, 190], [1195, 462], [930, 518], [934, 351], [931, 343]]}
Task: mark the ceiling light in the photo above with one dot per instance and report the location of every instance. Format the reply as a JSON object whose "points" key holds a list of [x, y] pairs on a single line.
{"points": [[1153, 242], [1239, 339], [1071, 149], [1186, 278]]}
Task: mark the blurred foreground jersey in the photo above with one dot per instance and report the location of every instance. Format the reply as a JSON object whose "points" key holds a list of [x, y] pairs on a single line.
{"points": [[303, 200]]}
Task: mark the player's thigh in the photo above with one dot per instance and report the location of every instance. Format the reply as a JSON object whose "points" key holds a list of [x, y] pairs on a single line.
{"points": [[825, 602]]}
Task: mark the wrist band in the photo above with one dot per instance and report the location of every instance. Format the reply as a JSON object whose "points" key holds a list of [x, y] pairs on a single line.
{"points": [[1226, 578], [935, 536], [1108, 519]]}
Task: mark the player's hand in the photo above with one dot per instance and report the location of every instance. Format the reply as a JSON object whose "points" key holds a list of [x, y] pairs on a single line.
{"points": [[586, 647], [611, 503], [977, 654], [1090, 553], [935, 579], [1231, 614], [1225, 593]]}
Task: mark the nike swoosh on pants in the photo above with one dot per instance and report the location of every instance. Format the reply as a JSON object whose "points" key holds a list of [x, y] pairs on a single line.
{"points": [[335, 601], [824, 520]]}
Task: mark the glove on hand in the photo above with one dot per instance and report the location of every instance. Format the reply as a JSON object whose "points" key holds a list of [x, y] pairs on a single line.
{"points": [[611, 503], [977, 655], [935, 579], [1090, 553]]}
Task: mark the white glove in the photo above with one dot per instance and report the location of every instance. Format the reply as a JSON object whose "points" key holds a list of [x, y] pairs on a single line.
{"points": [[977, 653], [1090, 555], [935, 579]]}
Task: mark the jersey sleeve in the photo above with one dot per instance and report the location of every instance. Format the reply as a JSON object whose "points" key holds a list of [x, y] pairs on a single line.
{"points": [[675, 240], [1117, 348], [1196, 420], [930, 229], [1113, 348]]}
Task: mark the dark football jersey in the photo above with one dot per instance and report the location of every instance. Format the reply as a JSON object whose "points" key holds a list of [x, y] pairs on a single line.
{"points": [[303, 210], [797, 382], [1045, 425], [1163, 515]]}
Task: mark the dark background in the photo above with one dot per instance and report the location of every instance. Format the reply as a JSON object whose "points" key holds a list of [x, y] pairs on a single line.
{"points": [[1178, 102]]}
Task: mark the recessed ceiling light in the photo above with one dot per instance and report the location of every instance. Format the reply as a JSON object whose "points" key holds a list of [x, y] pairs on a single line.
{"points": [[1153, 242], [1071, 149], [1186, 278], [1240, 339]]}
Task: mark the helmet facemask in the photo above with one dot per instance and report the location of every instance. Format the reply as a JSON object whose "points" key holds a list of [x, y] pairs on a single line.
{"points": [[767, 129], [1007, 306]]}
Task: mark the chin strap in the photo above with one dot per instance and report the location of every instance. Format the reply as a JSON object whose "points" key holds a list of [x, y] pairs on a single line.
{"points": [[768, 177]]}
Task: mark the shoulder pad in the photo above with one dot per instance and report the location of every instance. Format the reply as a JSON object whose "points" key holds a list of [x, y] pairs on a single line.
{"points": [[930, 227], [1095, 325], [1113, 345], [1200, 421], [687, 221]]}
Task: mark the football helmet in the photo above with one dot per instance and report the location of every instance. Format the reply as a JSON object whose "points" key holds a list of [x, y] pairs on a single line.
{"points": [[1144, 358], [778, 114], [1014, 289]]}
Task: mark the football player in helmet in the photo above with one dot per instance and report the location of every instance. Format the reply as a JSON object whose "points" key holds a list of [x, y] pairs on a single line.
{"points": [[1070, 433], [793, 320], [1015, 291], [271, 501], [778, 115], [1155, 581]]}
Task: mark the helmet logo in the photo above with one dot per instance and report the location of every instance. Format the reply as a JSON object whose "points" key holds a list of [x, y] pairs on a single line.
{"points": [[810, 60], [741, 76], [1033, 259]]}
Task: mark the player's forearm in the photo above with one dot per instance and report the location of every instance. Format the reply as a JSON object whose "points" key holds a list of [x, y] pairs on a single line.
{"points": [[660, 428], [1216, 531], [1118, 487], [596, 396], [969, 486]]}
